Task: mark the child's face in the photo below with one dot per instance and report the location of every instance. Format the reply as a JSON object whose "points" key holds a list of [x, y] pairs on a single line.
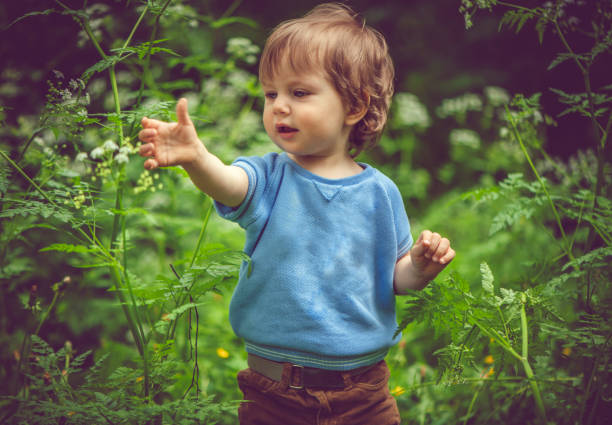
{"points": [[304, 114]]}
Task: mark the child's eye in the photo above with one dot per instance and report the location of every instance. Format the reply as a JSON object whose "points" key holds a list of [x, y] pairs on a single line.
{"points": [[300, 93], [270, 95]]}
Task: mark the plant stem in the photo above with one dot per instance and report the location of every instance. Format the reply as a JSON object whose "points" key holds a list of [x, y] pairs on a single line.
{"points": [[130, 311], [32, 182], [525, 352], [145, 70], [517, 135], [471, 406], [143, 340], [182, 299]]}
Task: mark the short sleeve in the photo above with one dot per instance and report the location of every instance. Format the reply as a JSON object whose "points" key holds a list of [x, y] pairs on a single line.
{"points": [[402, 224], [258, 170]]}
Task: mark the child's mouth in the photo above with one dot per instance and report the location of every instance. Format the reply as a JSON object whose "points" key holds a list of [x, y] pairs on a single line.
{"points": [[284, 129]]}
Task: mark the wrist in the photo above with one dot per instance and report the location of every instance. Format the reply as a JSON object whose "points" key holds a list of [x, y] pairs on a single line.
{"points": [[198, 160]]}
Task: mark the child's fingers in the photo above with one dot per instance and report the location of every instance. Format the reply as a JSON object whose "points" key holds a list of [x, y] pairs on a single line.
{"points": [[147, 135], [441, 250], [146, 150], [151, 123], [433, 245], [448, 257], [151, 164]]}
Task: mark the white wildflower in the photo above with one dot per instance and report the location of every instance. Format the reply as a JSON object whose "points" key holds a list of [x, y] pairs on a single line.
{"points": [[121, 158], [238, 78], [58, 74], [504, 132], [243, 48], [459, 105], [410, 111], [81, 156], [73, 84], [465, 137], [110, 146], [497, 96], [66, 94], [124, 150], [97, 153]]}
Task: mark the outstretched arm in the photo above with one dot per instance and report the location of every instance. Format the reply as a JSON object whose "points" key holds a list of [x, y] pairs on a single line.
{"points": [[177, 143], [428, 256]]}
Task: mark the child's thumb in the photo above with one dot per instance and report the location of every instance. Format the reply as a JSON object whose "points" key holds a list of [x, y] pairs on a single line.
{"points": [[182, 114]]}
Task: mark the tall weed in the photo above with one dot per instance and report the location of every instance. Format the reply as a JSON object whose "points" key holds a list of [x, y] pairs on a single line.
{"points": [[73, 179]]}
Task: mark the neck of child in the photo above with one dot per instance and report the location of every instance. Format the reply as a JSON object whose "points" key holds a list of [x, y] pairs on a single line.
{"points": [[329, 167]]}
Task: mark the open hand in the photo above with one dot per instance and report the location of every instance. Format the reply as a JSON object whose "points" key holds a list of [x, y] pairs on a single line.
{"points": [[431, 254], [167, 144]]}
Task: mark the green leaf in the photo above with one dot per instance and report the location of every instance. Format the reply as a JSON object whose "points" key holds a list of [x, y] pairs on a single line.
{"points": [[90, 266], [508, 295], [36, 13], [233, 20], [66, 247], [487, 278], [101, 66], [161, 325], [595, 258], [562, 57]]}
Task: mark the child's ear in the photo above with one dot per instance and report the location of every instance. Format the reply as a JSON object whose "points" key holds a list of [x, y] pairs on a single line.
{"points": [[357, 112]]}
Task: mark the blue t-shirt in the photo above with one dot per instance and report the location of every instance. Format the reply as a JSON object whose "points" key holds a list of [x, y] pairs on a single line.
{"points": [[320, 292]]}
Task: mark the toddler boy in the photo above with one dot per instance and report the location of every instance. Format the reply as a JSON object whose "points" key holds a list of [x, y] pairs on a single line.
{"points": [[328, 236]]}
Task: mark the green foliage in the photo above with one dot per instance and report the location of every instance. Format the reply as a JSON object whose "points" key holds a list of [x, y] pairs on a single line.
{"points": [[63, 390], [76, 202], [534, 345]]}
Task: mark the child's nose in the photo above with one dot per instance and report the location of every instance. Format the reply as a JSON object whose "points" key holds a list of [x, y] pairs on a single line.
{"points": [[281, 106]]}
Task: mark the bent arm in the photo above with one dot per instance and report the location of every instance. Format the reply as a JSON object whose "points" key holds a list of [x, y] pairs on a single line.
{"points": [[429, 256], [406, 278]]}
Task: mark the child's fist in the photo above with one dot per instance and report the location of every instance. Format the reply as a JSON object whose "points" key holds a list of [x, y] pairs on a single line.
{"points": [[431, 254]]}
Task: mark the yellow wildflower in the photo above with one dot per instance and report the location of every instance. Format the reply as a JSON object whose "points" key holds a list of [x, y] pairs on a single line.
{"points": [[222, 352], [489, 359], [397, 391], [566, 351]]}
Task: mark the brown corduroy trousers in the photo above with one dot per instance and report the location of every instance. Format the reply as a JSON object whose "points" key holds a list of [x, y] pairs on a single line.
{"points": [[364, 400]]}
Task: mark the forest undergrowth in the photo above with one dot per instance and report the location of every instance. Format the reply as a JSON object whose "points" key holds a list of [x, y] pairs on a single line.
{"points": [[115, 280]]}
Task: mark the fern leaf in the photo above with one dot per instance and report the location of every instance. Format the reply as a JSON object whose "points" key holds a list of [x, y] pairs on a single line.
{"points": [[101, 66], [66, 247], [592, 259], [487, 278], [562, 57]]}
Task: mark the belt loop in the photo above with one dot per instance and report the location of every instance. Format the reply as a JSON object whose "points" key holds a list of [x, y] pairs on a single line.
{"points": [[347, 377], [300, 377]]}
